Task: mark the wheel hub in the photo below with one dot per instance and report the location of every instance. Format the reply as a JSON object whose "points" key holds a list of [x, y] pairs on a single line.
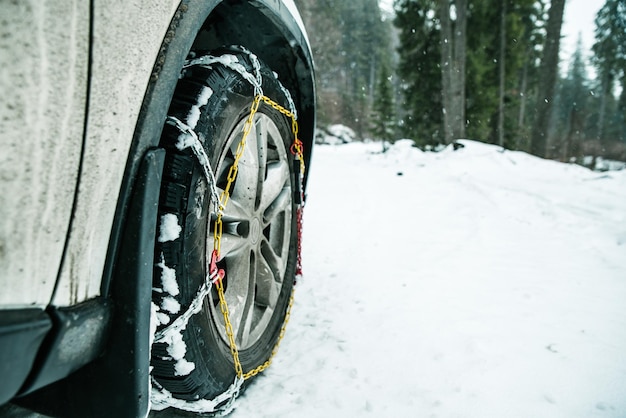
{"points": [[257, 230]]}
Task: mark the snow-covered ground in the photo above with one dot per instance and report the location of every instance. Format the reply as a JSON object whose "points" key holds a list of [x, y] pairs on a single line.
{"points": [[469, 283]]}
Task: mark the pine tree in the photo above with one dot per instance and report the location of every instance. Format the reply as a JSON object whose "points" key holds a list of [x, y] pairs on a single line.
{"points": [[500, 68], [572, 107], [482, 70], [549, 70], [610, 60], [419, 70], [384, 113], [515, 41], [531, 38]]}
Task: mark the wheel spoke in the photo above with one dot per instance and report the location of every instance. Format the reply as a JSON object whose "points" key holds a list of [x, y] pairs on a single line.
{"points": [[221, 173], [274, 262], [281, 204], [237, 210], [232, 244], [247, 182], [240, 280], [268, 281], [277, 179]]}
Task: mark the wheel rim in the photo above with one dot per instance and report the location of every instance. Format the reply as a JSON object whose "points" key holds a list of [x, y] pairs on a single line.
{"points": [[256, 230]]}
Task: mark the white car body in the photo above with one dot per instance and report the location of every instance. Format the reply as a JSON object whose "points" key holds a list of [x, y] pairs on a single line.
{"points": [[42, 122], [75, 77]]}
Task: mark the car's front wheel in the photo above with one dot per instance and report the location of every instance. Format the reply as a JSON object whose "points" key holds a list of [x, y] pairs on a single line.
{"points": [[192, 358]]}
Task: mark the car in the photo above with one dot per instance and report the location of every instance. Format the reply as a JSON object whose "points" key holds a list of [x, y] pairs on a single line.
{"points": [[152, 175]]}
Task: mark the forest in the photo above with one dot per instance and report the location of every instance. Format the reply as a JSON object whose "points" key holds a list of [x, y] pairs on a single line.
{"points": [[439, 70]]}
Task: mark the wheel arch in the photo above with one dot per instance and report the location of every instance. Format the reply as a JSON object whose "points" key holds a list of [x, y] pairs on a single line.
{"points": [[206, 25]]}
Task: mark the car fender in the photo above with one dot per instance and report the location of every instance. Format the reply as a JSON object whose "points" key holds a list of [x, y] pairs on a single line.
{"points": [[119, 80]]}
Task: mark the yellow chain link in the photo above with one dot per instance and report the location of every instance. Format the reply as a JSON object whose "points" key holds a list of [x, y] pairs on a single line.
{"points": [[230, 333], [232, 175], [297, 148]]}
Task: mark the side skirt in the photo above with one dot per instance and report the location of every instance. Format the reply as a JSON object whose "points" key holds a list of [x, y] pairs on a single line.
{"points": [[22, 332]]}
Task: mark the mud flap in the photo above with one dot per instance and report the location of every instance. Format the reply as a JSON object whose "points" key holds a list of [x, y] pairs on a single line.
{"points": [[117, 384]]}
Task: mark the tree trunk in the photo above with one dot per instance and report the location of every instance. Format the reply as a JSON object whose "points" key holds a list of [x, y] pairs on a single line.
{"points": [[502, 75], [446, 69], [621, 107], [548, 76], [607, 81], [522, 139], [453, 56], [460, 42]]}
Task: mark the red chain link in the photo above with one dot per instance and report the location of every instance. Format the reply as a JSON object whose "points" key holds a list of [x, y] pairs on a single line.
{"points": [[299, 254]]}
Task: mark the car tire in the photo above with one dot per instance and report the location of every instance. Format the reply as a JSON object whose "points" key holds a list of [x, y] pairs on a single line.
{"points": [[258, 251]]}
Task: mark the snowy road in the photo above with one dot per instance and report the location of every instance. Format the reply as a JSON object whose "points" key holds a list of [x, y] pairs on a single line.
{"points": [[477, 283]]}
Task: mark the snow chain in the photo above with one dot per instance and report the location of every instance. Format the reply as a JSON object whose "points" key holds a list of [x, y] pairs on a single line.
{"points": [[223, 403], [218, 275]]}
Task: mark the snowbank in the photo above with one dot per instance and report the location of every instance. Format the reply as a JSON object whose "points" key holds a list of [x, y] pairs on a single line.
{"points": [[335, 135]]}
